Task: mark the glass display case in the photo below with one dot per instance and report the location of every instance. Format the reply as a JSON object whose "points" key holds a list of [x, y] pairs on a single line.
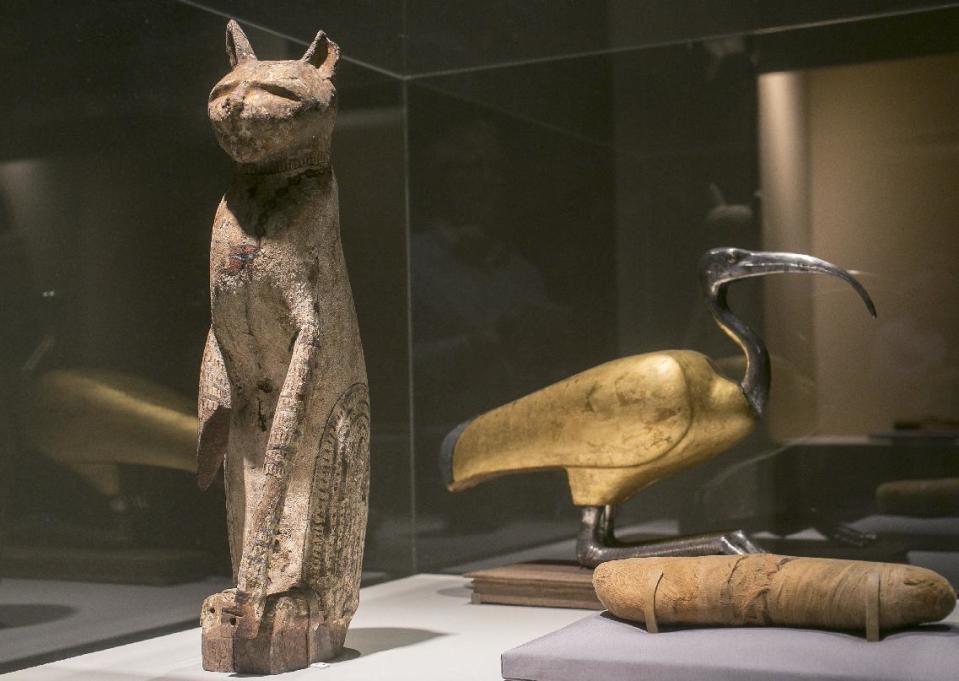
{"points": [[526, 189]]}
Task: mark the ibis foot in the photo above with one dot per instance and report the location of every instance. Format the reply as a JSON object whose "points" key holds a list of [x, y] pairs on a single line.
{"points": [[597, 542]]}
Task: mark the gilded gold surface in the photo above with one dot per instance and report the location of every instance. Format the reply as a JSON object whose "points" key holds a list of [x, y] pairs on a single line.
{"points": [[615, 428]]}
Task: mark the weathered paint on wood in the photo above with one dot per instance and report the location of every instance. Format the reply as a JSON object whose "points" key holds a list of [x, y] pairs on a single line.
{"points": [[283, 402]]}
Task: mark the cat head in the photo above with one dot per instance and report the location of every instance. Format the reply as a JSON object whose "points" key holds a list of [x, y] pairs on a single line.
{"points": [[271, 111]]}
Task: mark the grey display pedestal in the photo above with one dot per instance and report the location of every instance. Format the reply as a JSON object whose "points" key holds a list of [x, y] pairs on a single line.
{"points": [[601, 647]]}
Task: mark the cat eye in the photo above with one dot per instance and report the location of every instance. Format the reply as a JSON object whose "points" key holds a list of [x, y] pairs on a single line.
{"points": [[279, 91], [272, 88]]}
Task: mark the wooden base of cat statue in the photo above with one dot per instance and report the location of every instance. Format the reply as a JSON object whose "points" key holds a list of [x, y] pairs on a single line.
{"points": [[283, 400]]}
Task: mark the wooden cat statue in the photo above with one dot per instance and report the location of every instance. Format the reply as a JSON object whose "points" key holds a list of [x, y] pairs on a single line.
{"points": [[283, 391]]}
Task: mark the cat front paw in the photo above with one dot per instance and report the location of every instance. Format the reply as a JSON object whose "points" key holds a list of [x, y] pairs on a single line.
{"points": [[231, 612]]}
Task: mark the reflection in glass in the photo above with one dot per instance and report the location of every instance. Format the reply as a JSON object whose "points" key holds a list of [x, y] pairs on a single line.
{"points": [[858, 171]]}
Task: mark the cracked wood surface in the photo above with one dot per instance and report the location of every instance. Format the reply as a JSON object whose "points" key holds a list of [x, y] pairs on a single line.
{"points": [[283, 400]]}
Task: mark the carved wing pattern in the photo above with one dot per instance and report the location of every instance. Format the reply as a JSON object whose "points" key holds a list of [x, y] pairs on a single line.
{"points": [[341, 485]]}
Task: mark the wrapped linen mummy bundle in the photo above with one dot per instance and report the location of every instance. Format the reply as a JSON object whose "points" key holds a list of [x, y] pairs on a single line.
{"points": [[768, 589]]}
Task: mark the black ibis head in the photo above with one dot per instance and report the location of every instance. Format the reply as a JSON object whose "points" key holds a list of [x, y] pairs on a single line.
{"points": [[720, 267]]}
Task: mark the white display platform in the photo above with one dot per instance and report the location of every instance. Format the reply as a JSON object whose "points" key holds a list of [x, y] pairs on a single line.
{"points": [[48, 619], [421, 628]]}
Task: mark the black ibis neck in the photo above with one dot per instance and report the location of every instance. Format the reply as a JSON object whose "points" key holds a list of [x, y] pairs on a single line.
{"points": [[755, 384]]}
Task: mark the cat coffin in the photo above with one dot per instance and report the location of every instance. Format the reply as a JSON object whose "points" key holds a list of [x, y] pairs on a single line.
{"points": [[283, 400]]}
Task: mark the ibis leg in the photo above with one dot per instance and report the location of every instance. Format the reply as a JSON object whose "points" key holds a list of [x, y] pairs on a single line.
{"points": [[597, 542]]}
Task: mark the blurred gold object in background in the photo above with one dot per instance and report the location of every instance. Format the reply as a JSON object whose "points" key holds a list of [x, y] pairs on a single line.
{"points": [[93, 420]]}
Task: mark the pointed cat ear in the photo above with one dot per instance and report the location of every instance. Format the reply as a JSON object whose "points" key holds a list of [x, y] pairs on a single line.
{"points": [[237, 44], [323, 53]]}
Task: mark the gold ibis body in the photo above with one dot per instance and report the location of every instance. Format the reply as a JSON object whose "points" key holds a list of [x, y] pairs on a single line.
{"points": [[615, 428]]}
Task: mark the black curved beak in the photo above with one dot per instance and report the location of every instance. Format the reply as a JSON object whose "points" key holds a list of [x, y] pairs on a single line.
{"points": [[761, 263]]}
